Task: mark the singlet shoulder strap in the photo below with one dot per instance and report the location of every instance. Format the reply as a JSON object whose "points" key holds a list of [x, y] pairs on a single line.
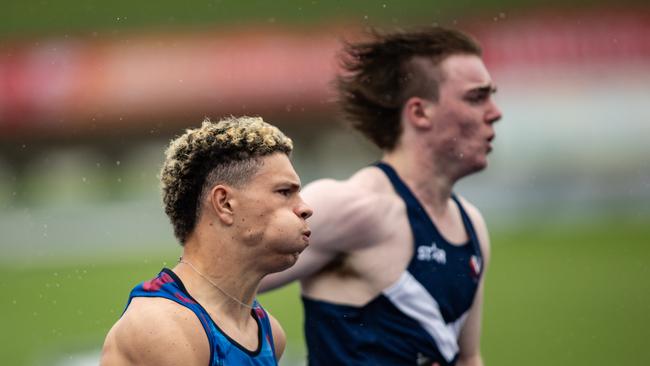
{"points": [[399, 185], [469, 227], [265, 325]]}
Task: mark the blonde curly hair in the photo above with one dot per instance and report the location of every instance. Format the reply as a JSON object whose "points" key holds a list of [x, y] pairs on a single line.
{"points": [[226, 151]]}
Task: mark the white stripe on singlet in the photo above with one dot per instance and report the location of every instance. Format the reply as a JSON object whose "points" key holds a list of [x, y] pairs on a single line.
{"points": [[412, 299]]}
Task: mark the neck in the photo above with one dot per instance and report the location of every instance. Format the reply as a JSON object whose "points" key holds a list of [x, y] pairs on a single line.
{"points": [[222, 282], [428, 182]]}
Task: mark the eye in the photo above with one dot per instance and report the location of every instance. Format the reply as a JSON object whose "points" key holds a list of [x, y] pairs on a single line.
{"points": [[477, 98], [285, 192]]}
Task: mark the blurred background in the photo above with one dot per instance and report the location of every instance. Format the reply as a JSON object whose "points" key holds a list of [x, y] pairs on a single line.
{"points": [[91, 92]]}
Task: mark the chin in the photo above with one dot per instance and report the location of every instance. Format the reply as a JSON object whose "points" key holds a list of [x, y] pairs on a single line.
{"points": [[287, 261], [480, 164]]}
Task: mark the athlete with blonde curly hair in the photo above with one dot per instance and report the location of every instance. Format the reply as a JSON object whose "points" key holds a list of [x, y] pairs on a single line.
{"points": [[232, 196]]}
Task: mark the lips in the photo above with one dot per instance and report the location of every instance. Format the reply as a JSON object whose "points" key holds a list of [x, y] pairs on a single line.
{"points": [[489, 143], [305, 235]]}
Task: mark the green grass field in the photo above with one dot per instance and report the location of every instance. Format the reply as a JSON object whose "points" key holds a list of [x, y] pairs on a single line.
{"points": [[555, 296]]}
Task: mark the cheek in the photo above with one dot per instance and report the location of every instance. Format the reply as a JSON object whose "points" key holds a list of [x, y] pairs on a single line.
{"points": [[276, 224], [468, 127]]}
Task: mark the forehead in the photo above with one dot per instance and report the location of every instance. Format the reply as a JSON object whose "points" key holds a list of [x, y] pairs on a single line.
{"points": [[276, 168], [464, 72]]}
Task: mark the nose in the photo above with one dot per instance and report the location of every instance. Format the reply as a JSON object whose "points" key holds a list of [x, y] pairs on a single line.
{"points": [[303, 210], [493, 113]]}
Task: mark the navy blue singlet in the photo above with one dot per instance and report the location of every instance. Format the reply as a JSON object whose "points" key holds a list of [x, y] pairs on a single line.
{"points": [[223, 349], [415, 321]]}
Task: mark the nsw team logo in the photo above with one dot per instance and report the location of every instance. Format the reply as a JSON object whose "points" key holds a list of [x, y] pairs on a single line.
{"points": [[432, 253], [475, 265]]}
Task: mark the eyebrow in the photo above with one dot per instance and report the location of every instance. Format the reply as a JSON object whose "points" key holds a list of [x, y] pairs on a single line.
{"points": [[291, 185], [487, 89]]}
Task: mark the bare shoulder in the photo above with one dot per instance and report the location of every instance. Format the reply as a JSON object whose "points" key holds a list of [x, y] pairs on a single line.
{"points": [[353, 208], [156, 331], [367, 188], [479, 225]]}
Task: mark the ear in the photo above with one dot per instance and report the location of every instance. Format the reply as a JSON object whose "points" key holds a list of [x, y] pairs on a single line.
{"points": [[418, 112], [220, 200]]}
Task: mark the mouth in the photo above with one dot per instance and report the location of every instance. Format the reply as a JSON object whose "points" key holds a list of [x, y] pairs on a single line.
{"points": [[305, 236], [489, 143]]}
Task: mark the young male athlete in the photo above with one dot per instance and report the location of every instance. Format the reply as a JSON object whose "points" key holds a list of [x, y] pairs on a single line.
{"points": [[233, 199], [394, 272]]}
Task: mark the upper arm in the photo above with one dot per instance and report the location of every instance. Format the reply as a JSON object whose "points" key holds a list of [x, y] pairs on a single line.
{"points": [[344, 218], [155, 331], [469, 340], [279, 337], [116, 351]]}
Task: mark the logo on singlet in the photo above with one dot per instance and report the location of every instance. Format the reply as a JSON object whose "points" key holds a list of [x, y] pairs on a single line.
{"points": [[432, 253], [475, 265]]}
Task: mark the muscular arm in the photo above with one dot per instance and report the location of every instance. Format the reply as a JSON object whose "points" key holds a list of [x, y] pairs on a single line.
{"points": [[343, 220], [469, 341], [155, 332]]}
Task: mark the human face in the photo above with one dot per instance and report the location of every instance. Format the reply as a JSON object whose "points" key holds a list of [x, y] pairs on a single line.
{"points": [[270, 215], [464, 116]]}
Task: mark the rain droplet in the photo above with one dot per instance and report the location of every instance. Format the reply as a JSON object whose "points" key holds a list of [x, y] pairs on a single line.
{"points": [[118, 163], [83, 179]]}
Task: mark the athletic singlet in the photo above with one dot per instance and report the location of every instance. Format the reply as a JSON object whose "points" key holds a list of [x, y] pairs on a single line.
{"points": [[223, 349], [415, 321]]}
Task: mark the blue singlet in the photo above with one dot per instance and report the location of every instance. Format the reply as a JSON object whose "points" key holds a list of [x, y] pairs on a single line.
{"points": [[223, 349]]}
